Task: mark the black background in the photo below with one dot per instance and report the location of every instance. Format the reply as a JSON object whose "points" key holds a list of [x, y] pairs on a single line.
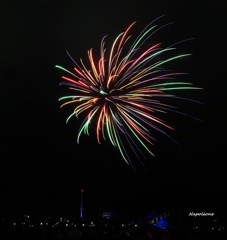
{"points": [[42, 166]]}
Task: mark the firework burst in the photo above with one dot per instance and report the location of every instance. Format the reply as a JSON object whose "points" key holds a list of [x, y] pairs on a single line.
{"points": [[123, 93]]}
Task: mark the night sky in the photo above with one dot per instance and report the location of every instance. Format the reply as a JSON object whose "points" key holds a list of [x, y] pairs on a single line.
{"points": [[42, 166]]}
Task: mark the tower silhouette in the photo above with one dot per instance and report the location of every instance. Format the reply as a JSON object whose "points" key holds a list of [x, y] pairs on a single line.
{"points": [[81, 203]]}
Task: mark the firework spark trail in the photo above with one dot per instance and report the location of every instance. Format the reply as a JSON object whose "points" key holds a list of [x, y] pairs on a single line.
{"points": [[121, 94]]}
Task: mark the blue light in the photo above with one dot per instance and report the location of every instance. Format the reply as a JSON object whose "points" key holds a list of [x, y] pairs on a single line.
{"points": [[162, 224]]}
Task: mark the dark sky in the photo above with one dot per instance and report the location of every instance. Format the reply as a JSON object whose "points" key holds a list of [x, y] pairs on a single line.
{"points": [[42, 166]]}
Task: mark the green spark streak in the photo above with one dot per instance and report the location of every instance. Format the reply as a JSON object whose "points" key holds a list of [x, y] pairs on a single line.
{"points": [[133, 132], [102, 92], [119, 146], [161, 86], [180, 88], [142, 37], [170, 59], [109, 134], [70, 116], [57, 66], [85, 127], [66, 97]]}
